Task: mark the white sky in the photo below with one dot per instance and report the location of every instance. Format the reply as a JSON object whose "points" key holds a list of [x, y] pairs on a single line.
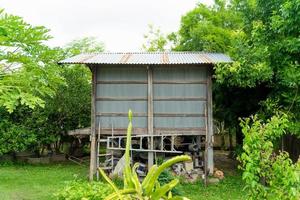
{"points": [[120, 24]]}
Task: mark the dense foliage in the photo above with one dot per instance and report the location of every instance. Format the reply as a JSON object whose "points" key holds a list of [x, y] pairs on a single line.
{"points": [[209, 28], [28, 69], [40, 100], [14, 137], [262, 37], [166, 177], [268, 54], [268, 175], [79, 190]]}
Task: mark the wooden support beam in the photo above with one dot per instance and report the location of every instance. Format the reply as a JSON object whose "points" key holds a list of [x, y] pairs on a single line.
{"points": [[121, 82], [119, 114], [150, 114], [121, 99], [154, 99], [154, 82], [180, 99], [156, 131], [93, 125], [165, 114], [210, 160], [179, 82]]}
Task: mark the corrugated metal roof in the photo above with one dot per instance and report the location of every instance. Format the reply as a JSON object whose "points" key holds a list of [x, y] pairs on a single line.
{"points": [[153, 58]]}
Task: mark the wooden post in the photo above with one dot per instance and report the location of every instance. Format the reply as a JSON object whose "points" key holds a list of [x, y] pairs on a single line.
{"points": [[210, 160], [93, 125], [150, 115]]}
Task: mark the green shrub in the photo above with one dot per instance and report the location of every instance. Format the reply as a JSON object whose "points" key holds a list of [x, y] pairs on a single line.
{"points": [[166, 177], [14, 137], [83, 190], [268, 174]]}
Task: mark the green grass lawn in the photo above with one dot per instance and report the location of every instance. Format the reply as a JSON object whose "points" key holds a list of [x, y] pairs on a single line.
{"points": [[28, 182], [231, 188], [20, 182]]}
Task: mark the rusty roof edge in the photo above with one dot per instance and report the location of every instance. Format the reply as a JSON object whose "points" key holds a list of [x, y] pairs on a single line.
{"points": [[207, 58], [153, 52]]}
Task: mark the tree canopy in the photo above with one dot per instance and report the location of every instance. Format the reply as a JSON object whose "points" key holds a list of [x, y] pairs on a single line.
{"points": [[40, 100], [28, 69], [262, 37]]}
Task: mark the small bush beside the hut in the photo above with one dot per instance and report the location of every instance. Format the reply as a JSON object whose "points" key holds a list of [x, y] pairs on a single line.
{"points": [[267, 172], [166, 177]]}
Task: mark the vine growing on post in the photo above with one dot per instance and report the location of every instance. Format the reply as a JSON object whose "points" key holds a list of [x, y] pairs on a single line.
{"points": [[268, 173]]}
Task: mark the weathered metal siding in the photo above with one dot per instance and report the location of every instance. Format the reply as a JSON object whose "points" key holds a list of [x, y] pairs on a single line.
{"points": [[119, 89], [179, 97], [178, 101]]}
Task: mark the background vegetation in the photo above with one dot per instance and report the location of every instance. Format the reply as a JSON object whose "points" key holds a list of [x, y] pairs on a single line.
{"points": [[40, 100]]}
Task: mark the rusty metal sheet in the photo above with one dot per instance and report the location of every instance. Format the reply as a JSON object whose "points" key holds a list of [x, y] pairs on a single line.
{"points": [[145, 58]]}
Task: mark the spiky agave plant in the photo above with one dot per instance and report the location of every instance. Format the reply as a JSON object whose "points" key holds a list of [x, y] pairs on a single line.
{"points": [[150, 188]]}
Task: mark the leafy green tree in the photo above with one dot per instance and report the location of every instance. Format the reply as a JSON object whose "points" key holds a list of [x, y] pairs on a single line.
{"points": [[70, 107], [268, 54], [262, 37], [155, 40], [29, 75], [28, 69], [40, 100], [84, 45], [209, 28], [264, 78]]}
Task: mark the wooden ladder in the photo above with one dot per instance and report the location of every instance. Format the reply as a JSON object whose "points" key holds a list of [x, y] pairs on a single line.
{"points": [[107, 156]]}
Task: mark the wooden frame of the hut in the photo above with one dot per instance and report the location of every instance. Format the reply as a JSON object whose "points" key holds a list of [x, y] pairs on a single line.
{"points": [[170, 95]]}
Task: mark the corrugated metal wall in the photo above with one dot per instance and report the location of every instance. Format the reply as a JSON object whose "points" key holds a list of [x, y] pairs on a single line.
{"points": [[120, 88], [179, 97]]}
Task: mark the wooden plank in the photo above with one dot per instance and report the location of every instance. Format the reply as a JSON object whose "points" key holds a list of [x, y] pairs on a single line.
{"points": [[179, 99], [154, 82], [123, 131], [82, 131], [146, 150], [150, 114], [138, 137], [121, 99], [93, 125], [118, 114], [179, 115], [156, 131], [179, 82], [155, 99], [181, 131], [122, 82]]}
